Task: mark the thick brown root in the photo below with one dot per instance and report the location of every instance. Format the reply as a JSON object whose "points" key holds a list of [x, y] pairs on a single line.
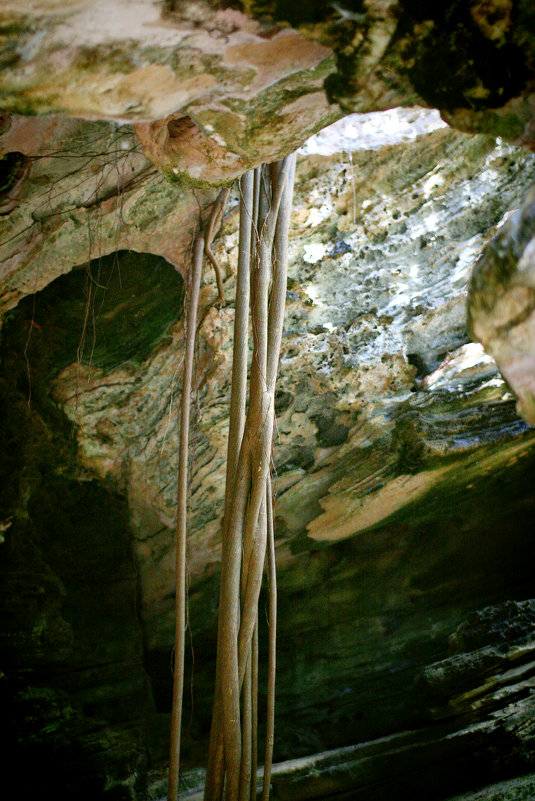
{"points": [[248, 516]]}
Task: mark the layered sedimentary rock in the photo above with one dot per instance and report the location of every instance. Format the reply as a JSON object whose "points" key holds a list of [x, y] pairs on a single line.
{"points": [[480, 698], [404, 472], [217, 89], [502, 299], [403, 476], [89, 191], [223, 90], [477, 724]]}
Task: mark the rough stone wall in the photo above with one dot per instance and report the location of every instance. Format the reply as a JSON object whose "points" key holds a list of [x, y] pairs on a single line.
{"points": [[404, 473], [213, 84], [400, 459]]}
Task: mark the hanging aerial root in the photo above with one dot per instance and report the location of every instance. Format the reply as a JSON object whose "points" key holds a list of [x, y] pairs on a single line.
{"points": [[238, 400], [254, 712], [272, 648], [180, 592], [212, 228], [263, 378], [246, 739], [248, 518]]}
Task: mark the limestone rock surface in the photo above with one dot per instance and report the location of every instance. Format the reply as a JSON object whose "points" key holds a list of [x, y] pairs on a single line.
{"points": [[216, 89], [404, 473], [89, 191], [222, 90], [502, 300]]}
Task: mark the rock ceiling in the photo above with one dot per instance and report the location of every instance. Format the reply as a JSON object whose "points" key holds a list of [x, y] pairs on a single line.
{"points": [[399, 446]]}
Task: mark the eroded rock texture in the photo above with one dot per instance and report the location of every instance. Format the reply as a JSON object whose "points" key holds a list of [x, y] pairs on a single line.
{"points": [[403, 472], [502, 299], [88, 192], [215, 89]]}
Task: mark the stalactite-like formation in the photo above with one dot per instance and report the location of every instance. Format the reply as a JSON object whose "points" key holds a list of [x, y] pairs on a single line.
{"points": [[248, 541]]}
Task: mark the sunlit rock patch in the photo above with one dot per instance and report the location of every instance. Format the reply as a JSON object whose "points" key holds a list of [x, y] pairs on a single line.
{"points": [[373, 320]]}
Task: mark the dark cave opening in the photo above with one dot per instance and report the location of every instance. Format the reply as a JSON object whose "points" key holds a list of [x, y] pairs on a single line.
{"points": [[74, 686]]}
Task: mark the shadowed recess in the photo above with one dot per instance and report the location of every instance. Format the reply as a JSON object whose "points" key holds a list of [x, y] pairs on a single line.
{"points": [[112, 310]]}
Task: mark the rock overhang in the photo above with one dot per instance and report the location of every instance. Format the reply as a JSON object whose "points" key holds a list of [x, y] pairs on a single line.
{"points": [[369, 401]]}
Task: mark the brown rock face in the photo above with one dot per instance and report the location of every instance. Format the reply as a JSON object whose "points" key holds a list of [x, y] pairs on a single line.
{"points": [[404, 475], [502, 304], [228, 92], [87, 190], [398, 450], [238, 91], [182, 151]]}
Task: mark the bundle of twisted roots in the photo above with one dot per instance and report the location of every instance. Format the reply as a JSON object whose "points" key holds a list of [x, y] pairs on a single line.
{"points": [[247, 528]]}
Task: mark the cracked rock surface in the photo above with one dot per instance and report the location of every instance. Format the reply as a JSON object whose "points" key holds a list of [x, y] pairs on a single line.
{"points": [[404, 473], [401, 461]]}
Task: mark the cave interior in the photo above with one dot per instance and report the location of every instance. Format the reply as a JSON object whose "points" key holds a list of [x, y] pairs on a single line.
{"points": [[404, 452]]}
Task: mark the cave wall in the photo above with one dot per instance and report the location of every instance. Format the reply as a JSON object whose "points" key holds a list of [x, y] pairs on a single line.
{"points": [[217, 87], [404, 477], [78, 704], [403, 472]]}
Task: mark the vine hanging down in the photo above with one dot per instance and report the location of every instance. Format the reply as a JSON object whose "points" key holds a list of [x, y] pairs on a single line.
{"points": [[247, 528]]}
